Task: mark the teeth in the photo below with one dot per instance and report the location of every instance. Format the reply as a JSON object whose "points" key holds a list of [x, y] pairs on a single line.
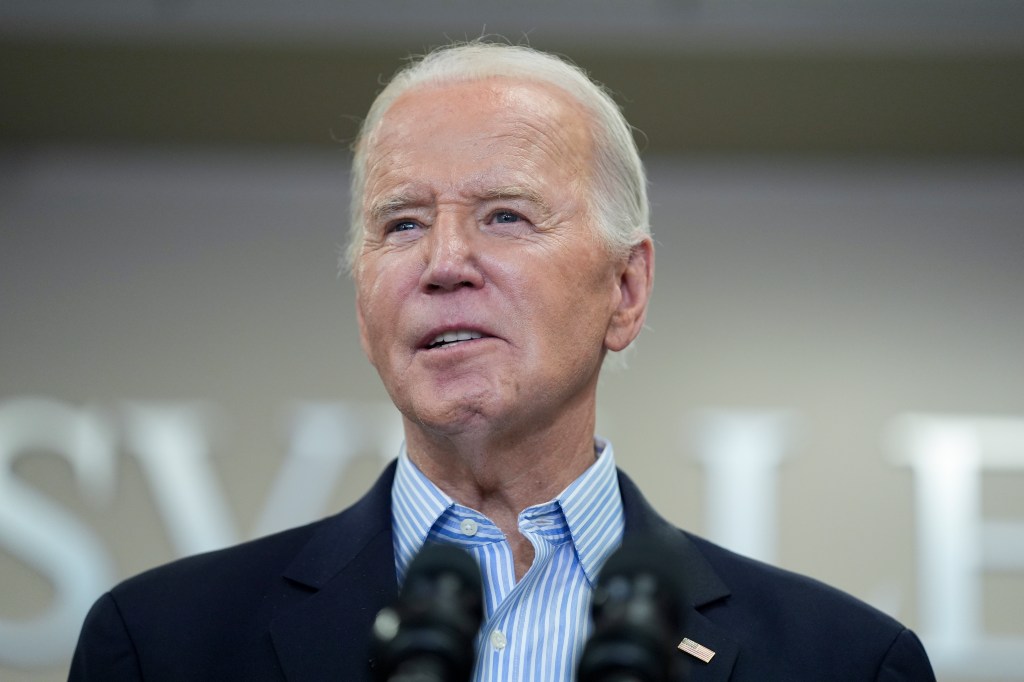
{"points": [[453, 336]]}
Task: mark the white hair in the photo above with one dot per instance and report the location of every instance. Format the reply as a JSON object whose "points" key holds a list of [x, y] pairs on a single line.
{"points": [[618, 186]]}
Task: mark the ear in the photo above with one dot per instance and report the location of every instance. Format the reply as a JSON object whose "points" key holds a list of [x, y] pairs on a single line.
{"points": [[635, 280]]}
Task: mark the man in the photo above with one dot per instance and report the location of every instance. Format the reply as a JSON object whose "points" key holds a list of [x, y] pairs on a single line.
{"points": [[500, 249]]}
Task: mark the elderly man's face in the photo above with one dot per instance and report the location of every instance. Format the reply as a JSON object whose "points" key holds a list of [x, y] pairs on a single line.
{"points": [[485, 296]]}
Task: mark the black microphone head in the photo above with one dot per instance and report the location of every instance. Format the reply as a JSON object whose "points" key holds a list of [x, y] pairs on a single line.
{"points": [[430, 632], [442, 562], [636, 609], [643, 554]]}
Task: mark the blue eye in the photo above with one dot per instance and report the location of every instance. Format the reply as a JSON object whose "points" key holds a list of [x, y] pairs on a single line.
{"points": [[403, 226], [506, 217]]}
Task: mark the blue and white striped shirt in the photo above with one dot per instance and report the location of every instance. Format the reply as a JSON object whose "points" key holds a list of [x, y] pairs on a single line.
{"points": [[533, 630]]}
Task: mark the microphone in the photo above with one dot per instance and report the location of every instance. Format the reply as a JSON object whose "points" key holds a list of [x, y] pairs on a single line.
{"points": [[428, 636], [636, 610]]}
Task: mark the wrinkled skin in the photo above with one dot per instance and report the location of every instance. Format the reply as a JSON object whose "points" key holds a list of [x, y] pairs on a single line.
{"points": [[477, 221]]}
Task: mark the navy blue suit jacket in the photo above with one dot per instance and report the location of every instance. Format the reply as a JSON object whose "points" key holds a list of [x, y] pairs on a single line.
{"points": [[298, 605]]}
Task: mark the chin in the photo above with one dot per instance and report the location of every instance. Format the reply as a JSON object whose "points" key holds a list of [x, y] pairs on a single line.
{"points": [[452, 418], [449, 416]]}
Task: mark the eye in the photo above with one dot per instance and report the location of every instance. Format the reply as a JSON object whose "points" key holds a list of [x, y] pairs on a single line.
{"points": [[505, 217], [403, 226]]}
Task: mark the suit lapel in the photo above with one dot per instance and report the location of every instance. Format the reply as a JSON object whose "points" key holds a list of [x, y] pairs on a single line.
{"points": [[345, 575], [336, 585], [701, 630], [702, 585]]}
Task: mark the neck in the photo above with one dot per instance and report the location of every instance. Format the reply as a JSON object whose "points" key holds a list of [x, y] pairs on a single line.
{"points": [[500, 475], [479, 471]]}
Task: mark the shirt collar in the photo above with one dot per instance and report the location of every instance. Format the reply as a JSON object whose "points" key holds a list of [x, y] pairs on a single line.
{"points": [[416, 504], [591, 505]]}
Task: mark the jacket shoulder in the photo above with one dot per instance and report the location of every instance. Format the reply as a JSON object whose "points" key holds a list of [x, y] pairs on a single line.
{"points": [[188, 617], [237, 572], [218, 572], [815, 627], [213, 611]]}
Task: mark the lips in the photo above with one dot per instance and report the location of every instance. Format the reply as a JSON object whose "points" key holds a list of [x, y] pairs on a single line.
{"points": [[449, 337]]}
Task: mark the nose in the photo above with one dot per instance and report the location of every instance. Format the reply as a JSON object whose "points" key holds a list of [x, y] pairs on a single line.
{"points": [[451, 254]]}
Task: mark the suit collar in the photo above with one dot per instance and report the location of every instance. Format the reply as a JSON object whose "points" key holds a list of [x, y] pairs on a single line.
{"points": [[343, 537], [336, 585], [345, 575], [702, 586]]}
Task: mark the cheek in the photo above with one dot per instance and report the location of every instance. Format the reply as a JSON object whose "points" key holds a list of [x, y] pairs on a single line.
{"points": [[589, 304], [396, 272], [382, 292], [379, 285], [589, 280], [573, 311], [371, 303], [366, 336]]}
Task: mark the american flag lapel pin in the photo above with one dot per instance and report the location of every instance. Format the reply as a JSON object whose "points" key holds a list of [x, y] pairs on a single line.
{"points": [[696, 650]]}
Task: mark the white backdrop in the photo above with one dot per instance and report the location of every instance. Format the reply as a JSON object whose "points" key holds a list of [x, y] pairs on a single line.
{"points": [[179, 368]]}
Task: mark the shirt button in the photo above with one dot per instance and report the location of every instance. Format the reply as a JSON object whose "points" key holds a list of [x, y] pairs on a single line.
{"points": [[469, 527], [498, 640]]}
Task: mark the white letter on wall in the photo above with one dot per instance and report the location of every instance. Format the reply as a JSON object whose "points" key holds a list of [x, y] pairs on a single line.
{"points": [[948, 455], [741, 452], [45, 536], [170, 443], [325, 437]]}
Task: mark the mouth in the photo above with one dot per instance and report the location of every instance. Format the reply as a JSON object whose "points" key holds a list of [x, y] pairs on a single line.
{"points": [[451, 338]]}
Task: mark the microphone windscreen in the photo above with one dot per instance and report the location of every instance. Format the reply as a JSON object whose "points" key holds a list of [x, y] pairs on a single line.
{"points": [[430, 632], [436, 560], [637, 611]]}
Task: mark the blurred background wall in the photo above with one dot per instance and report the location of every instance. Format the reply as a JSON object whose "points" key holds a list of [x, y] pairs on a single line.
{"points": [[831, 378]]}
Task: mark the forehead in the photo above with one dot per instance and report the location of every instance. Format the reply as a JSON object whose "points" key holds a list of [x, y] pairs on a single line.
{"points": [[495, 125]]}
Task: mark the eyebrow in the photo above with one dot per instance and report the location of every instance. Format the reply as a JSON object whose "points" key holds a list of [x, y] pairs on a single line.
{"points": [[515, 192], [381, 210]]}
